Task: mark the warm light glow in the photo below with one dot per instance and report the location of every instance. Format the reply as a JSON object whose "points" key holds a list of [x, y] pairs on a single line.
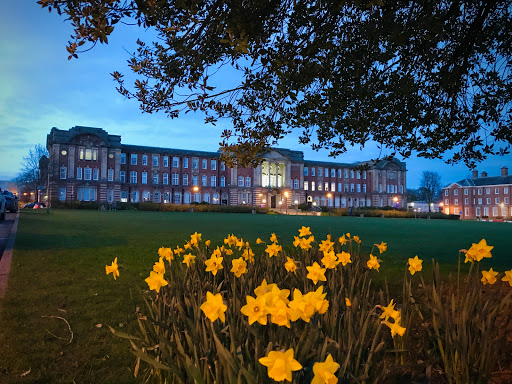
{"points": [[314, 203], [441, 204], [395, 199], [31, 193], [431, 204], [502, 205], [25, 194], [286, 194], [329, 195], [412, 204], [296, 202], [196, 189], [264, 201], [280, 202]]}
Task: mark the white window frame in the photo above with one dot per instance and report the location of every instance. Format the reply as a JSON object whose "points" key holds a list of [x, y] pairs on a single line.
{"points": [[133, 159], [122, 176], [165, 179], [123, 158], [176, 162], [144, 159], [166, 161], [79, 173], [133, 177], [88, 173], [247, 181], [213, 181], [156, 160], [144, 177], [185, 179], [204, 164], [222, 181], [110, 174], [240, 181], [213, 164], [63, 173], [175, 179]]}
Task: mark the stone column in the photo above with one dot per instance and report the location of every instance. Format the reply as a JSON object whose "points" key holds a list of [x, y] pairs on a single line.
{"points": [[103, 166], [71, 162]]}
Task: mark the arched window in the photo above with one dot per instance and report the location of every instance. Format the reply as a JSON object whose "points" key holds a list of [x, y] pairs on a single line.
{"points": [[177, 197], [197, 197], [167, 197], [156, 197], [135, 196], [330, 201], [215, 198], [186, 198], [146, 196], [206, 197], [323, 204]]}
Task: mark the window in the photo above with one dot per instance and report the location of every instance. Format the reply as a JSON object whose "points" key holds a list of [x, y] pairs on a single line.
{"points": [[145, 196], [165, 178], [177, 197], [495, 211], [380, 188], [176, 162], [306, 185], [62, 194], [313, 171], [213, 165], [447, 202], [358, 174], [505, 190], [222, 166], [110, 195], [122, 176], [175, 179], [155, 178], [197, 197], [351, 173], [312, 184], [339, 187], [486, 211], [247, 181], [364, 175], [185, 162], [326, 186], [465, 191], [133, 177], [446, 192], [166, 161], [185, 179], [222, 181], [205, 164], [215, 198], [333, 187], [466, 211], [319, 172], [155, 160], [144, 177], [95, 174], [351, 187], [63, 173], [505, 200], [133, 159], [345, 188], [87, 194], [145, 161], [195, 163], [488, 200], [456, 201], [487, 191], [204, 181], [87, 173], [124, 196], [186, 198], [206, 197], [339, 173], [496, 191], [135, 197], [306, 171], [333, 172], [479, 200], [194, 181], [479, 191], [156, 197], [296, 184], [364, 188], [346, 173], [358, 187], [110, 175], [455, 192], [89, 154], [79, 173], [213, 181], [326, 174], [319, 186], [240, 181], [496, 200], [123, 158], [401, 189], [466, 201]]}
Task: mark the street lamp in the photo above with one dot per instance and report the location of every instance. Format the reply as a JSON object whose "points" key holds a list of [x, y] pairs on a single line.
{"points": [[280, 203], [395, 199], [286, 201]]}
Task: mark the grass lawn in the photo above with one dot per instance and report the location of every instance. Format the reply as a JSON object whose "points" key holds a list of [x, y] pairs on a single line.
{"points": [[58, 269]]}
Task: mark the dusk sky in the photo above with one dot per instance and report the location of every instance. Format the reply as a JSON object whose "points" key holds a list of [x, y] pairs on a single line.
{"points": [[41, 89]]}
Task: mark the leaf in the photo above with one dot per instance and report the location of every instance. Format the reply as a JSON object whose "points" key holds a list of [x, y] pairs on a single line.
{"points": [[145, 357], [122, 335]]}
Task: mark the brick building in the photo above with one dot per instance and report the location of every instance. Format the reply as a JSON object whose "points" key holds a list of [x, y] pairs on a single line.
{"points": [[479, 197], [88, 164]]}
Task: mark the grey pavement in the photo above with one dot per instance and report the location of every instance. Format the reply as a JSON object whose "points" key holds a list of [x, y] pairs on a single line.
{"points": [[8, 229], [5, 230]]}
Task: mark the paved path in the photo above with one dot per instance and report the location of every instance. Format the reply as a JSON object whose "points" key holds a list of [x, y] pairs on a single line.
{"points": [[8, 229]]}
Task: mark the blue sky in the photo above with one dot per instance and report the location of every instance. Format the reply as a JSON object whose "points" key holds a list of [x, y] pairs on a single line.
{"points": [[41, 89]]}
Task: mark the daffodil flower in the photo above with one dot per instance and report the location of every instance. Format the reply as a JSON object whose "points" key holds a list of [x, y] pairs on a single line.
{"points": [[113, 269], [280, 365]]}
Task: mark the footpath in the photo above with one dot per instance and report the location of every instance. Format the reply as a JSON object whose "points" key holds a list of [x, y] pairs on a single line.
{"points": [[8, 230]]}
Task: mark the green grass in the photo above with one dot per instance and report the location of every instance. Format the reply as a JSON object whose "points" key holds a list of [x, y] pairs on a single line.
{"points": [[58, 270]]}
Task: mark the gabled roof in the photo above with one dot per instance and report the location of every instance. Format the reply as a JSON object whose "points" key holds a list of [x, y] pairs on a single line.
{"points": [[483, 181]]}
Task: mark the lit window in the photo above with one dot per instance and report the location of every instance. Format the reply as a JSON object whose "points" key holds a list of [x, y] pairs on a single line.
{"points": [[306, 185], [312, 184]]}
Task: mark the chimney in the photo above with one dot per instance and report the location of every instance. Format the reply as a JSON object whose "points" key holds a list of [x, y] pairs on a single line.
{"points": [[475, 174], [504, 171], [484, 174]]}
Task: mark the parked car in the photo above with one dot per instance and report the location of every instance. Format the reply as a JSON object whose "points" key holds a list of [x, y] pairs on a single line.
{"points": [[2, 206], [28, 205], [11, 201]]}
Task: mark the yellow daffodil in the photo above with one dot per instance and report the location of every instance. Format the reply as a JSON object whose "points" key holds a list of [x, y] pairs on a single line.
{"points": [[508, 277], [290, 265], [230, 240], [415, 265], [478, 251], [348, 303], [304, 231], [239, 266], [255, 310], [187, 245], [214, 307], [189, 259], [305, 243], [344, 258], [229, 252], [324, 372], [343, 240], [113, 269], [178, 251], [348, 235], [273, 249], [373, 263], [489, 277], [329, 260], [296, 241], [326, 245], [217, 252], [382, 247], [317, 298], [214, 264], [156, 281], [395, 328], [389, 311], [240, 243], [248, 255], [280, 313], [280, 365], [316, 273], [273, 238], [195, 239], [264, 288], [356, 239], [207, 243], [276, 294], [301, 307], [259, 241], [159, 266], [166, 253]]}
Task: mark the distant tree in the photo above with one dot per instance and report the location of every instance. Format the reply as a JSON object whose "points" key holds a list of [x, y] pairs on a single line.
{"points": [[412, 195], [414, 76], [34, 170], [430, 187]]}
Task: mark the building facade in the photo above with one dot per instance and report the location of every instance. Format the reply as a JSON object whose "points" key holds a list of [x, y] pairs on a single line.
{"points": [[480, 197], [88, 164]]}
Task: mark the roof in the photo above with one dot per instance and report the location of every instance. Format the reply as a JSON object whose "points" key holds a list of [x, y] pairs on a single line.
{"points": [[59, 136], [171, 151], [483, 181]]}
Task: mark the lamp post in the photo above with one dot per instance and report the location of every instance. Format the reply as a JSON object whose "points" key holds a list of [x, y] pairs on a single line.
{"points": [[280, 205], [395, 199], [286, 201]]}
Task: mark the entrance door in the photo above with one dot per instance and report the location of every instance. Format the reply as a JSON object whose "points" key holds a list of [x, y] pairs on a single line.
{"points": [[273, 201]]}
